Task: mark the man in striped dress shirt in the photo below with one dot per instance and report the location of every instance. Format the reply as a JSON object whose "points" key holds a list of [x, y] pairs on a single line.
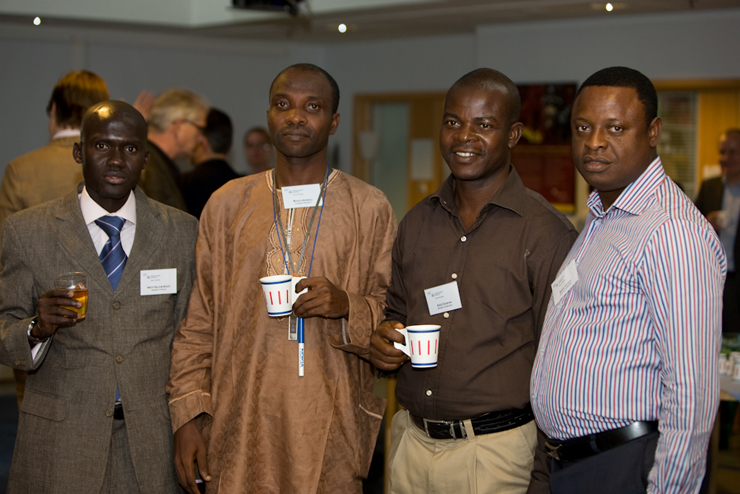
{"points": [[625, 381]]}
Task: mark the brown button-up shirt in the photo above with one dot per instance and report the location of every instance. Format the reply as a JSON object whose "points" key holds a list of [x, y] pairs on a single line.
{"points": [[503, 265]]}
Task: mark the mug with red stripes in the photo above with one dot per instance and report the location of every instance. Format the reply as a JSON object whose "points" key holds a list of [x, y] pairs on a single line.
{"points": [[277, 294], [422, 344]]}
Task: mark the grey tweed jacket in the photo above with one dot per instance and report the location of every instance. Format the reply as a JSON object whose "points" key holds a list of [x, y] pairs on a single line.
{"points": [[66, 418]]}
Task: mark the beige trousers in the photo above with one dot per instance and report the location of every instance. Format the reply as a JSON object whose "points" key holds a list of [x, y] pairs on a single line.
{"points": [[499, 463]]}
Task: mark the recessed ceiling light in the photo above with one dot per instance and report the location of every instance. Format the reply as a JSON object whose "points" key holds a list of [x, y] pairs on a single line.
{"points": [[36, 21], [342, 28], [609, 7]]}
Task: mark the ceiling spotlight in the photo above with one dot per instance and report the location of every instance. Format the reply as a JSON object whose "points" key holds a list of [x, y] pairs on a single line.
{"points": [[342, 28], [36, 21], [609, 7]]}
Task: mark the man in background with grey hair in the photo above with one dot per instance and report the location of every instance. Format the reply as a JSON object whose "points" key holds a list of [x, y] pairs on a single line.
{"points": [[175, 127]]}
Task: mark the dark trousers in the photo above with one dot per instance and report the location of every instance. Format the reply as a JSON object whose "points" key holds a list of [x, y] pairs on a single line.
{"points": [[731, 304], [621, 470]]}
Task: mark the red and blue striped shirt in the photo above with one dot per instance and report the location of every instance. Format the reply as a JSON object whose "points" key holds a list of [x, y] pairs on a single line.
{"points": [[638, 335]]}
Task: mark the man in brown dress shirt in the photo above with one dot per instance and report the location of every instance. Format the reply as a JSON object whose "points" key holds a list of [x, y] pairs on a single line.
{"points": [[467, 424]]}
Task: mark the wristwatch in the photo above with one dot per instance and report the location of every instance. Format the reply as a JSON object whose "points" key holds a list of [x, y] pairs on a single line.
{"points": [[31, 338]]}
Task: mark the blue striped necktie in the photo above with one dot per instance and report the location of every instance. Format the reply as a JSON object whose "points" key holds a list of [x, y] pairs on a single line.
{"points": [[112, 256]]}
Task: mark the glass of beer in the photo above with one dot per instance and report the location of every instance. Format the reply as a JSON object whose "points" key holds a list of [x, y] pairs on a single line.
{"points": [[76, 282]]}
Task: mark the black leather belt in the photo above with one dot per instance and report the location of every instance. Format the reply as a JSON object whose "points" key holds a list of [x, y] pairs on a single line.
{"points": [[485, 424], [583, 447], [118, 411]]}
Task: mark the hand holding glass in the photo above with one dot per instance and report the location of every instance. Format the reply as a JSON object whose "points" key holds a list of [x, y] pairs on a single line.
{"points": [[77, 282]]}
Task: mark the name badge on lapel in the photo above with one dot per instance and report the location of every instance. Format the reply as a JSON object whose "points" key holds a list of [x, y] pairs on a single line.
{"points": [[158, 281], [443, 298]]}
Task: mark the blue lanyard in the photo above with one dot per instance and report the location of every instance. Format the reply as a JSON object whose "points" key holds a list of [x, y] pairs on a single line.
{"points": [[281, 232]]}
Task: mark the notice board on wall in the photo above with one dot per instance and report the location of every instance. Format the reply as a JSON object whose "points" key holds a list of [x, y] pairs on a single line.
{"points": [[543, 156]]}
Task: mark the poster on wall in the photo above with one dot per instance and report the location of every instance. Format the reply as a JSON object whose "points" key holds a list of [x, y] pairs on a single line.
{"points": [[543, 156]]}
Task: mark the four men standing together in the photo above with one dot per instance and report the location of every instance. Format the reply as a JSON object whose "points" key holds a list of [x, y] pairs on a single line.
{"points": [[622, 328]]}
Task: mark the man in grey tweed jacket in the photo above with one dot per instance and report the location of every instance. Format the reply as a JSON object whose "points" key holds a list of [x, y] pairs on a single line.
{"points": [[75, 434]]}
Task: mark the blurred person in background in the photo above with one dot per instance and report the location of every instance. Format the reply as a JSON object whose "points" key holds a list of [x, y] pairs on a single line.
{"points": [[176, 122], [211, 168], [51, 171], [258, 149]]}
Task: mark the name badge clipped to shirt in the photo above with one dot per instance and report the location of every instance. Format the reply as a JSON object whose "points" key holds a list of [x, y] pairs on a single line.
{"points": [[158, 281], [564, 281], [443, 298], [301, 196]]}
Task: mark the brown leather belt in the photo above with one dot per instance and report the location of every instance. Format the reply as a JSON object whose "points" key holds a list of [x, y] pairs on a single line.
{"points": [[583, 447], [485, 424]]}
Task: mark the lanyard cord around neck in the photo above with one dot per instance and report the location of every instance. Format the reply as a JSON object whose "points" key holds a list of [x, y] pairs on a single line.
{"points": [[281, 231]]}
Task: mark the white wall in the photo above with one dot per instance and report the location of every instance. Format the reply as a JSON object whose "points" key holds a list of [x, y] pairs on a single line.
{"points": [[665, 46], [406, 65], [235, 75], [686, 45]]}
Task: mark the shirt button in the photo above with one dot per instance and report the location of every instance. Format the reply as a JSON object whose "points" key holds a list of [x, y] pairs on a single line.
{"points": [[116, 305], [464, 238], [534, 396], [446, 315], [429, 392], [119, 358], [109, 413], [454, 276]]}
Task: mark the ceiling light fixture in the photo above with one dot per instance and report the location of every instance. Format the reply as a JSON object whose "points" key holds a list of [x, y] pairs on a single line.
{"points": [[609, 7], [342, 28], [36, 21]]}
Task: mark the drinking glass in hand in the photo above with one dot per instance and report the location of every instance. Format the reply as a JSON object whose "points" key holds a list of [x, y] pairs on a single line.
{"points": [[76, 282]]}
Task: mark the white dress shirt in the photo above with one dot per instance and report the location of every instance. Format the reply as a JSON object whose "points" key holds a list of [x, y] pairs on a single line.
{"points": [[92, 211], [66, 133]]}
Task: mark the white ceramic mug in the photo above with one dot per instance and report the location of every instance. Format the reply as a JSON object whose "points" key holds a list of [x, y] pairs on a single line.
{"points": [[277, 290], [422, 344]]}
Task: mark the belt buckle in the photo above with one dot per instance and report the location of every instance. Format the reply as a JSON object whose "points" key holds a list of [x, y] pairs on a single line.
{"points": [[451, 423], [552, 451]]}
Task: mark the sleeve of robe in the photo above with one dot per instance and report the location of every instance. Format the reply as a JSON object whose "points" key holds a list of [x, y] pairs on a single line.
{"points": [[189, 387], [377, 231]]}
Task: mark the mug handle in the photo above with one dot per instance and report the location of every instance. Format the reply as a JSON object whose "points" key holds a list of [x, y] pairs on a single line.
{"points": [[403, 348], [293, 295]]}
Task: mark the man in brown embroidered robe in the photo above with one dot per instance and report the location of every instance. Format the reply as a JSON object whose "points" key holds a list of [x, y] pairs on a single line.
{"points": [[235, 392]]}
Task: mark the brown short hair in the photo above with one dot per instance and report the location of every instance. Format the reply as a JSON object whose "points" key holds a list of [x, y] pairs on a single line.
{"points": [[73, 94]]}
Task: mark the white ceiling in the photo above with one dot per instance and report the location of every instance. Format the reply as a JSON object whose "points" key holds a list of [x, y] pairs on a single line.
{"points": [[366, 19]]}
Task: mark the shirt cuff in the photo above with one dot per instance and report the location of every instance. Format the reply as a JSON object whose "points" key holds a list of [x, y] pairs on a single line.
{"points": [[38, 349]]}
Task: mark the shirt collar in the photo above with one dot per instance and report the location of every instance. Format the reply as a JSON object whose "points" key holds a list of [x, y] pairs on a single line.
{"points": [[634, 199], [91, 210], [509, 196], [66, 133]]}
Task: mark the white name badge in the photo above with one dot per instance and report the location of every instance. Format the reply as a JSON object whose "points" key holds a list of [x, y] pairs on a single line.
{"points": [[158, 281], [443, 298], [301, 196], [564, 281]]}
